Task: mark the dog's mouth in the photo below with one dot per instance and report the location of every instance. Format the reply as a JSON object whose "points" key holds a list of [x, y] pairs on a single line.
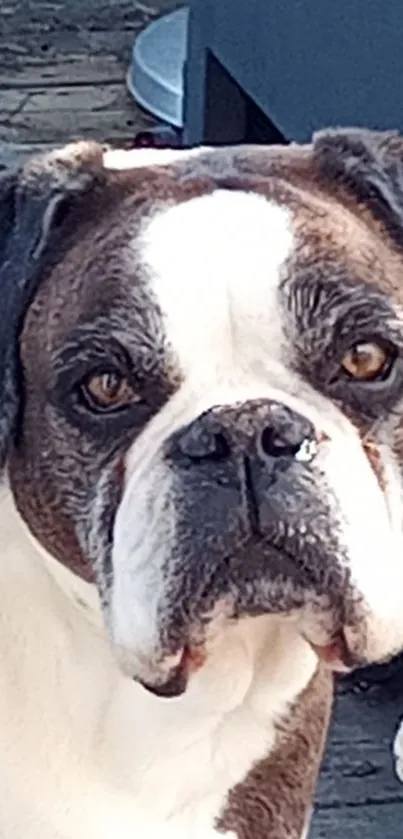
{"points": [[336, 655], [190, 661], [313, 592], [294, 595]]}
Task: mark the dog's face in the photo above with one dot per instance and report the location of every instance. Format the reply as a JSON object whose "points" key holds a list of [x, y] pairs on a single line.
{"points": [[203, 390]]}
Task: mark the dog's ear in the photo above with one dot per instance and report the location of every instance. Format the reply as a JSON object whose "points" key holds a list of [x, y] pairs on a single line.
{"points": [[369, 164], [34, 203]]}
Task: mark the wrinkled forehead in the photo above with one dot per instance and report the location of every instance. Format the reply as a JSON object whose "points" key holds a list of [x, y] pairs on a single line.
{"points": [[236, 271], [225, 262]]}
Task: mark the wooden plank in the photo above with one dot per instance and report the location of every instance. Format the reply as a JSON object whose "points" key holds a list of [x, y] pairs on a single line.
{"points": [[69, 58], [11, 101], [62, 34], [358, 795], [76, 99], [19, 52], [364, 822], [26, 16], [358, 772], [63, 125], [71, 70], [11, 154], [59, 114]]}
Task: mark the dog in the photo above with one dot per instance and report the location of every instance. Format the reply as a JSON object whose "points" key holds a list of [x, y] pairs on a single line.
{"points": [[201, 380]]}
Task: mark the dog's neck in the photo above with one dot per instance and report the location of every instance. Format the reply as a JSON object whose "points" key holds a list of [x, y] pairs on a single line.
{"points": [[88, 752]]}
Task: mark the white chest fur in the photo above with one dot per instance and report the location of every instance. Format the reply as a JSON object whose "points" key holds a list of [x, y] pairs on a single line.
{"points": [[87, 753]]}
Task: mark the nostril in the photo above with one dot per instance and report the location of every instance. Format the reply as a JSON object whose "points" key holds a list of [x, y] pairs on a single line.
{"points": [[200, 443], [273, 445], [222, 449]]}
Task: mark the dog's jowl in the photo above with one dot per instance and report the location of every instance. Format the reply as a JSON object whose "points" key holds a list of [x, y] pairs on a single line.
{"points": [[201, 389]]}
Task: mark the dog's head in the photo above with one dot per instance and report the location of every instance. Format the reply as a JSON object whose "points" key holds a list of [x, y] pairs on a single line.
{"points": [[201, 388]]}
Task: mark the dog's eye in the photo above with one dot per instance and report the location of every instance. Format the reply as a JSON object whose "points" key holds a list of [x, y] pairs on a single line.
{"points": [[367, 361], [109, 391]]}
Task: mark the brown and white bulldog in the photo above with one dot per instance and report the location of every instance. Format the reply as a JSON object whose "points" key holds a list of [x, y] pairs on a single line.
{"points": [[201, 389]]}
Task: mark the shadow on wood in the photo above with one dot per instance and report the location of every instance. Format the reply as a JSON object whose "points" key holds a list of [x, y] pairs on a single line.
{"points": [[359, 796]]}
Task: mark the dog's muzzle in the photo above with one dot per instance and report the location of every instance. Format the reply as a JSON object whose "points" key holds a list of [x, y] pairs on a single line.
{"points": [[252, 511], [253, 530]]}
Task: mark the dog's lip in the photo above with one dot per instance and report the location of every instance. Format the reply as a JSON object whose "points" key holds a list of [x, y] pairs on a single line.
{"points": [[335, 654], [192, 655], [176, 682]]}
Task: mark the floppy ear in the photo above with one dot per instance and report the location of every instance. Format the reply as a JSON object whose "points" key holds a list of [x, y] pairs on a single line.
{"points": [[369, 164], [34, 201]]}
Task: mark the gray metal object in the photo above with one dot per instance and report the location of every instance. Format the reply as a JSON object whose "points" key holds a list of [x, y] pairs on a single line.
{"points": [[155, 78]]}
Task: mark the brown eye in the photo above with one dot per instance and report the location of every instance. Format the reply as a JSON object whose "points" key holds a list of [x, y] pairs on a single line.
{"points": [[109, 390], [367, 361]]}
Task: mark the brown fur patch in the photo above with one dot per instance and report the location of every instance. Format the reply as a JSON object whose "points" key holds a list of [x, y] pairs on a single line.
{"points": [[44, 512], [330, 219], [80, 280], [274, 800]]}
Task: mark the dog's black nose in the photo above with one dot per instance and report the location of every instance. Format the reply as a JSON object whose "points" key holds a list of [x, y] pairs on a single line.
{"points": [[257, 428]]}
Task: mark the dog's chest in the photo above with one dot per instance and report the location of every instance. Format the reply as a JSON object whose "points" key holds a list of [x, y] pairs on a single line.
{"points": [[186, 763], [83, 753], [86, 753], [175, 784]]}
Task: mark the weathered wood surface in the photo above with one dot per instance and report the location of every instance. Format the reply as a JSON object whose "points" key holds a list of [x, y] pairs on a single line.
{"points": [[63, 66], [358, 795]]}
